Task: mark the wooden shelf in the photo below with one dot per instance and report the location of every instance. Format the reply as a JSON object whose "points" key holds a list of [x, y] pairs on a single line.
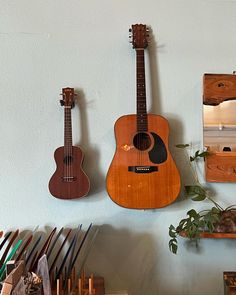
{"points": [[208, 235]]}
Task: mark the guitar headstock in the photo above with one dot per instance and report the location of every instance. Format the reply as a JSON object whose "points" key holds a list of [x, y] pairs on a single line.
{"points": [[139, 36], [68, 95]]}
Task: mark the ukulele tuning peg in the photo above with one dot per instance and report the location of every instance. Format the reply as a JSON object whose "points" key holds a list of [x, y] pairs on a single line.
{"points": [[130, 30], [62, 102]]}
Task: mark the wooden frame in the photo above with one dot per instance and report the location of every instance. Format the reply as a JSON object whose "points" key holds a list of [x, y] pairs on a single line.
{"points": [[217, 88]]}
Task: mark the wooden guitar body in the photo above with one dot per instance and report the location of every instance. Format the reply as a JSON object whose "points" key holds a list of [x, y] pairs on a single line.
{"points": [[69, 180], [142, 174]]}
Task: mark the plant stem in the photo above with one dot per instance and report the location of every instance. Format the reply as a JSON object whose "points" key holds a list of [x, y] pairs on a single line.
{"points": [[214, 202], [194, 172], [193, 167]]}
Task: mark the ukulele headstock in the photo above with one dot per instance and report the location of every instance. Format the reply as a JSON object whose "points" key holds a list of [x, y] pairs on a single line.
{"points": [[68, 95], [139, 35]]}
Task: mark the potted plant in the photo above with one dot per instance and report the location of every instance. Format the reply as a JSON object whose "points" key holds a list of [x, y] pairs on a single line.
{"points": [[215, 219]]}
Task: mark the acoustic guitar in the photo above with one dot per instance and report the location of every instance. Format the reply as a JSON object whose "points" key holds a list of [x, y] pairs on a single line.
{"points": [[142, 174], [69, 180]]}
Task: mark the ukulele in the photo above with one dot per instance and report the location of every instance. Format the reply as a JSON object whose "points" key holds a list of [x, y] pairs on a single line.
{"points": [[142, 174], [69, 180]]}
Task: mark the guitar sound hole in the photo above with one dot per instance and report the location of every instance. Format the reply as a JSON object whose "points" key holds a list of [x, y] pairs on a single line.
{"points": [[142, 141], [67, 160]]}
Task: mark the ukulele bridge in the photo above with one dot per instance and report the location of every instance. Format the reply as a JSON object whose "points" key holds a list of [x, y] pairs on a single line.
{"points": [[68, 178], [142, 169]]}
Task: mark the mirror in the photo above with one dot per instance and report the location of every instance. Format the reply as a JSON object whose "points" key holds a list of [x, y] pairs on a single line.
{"points": [[219, 126]]}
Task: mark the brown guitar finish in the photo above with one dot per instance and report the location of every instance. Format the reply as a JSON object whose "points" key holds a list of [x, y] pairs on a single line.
{"points": [[69, 180], [141, 190], [67, 188], [142, 174]]}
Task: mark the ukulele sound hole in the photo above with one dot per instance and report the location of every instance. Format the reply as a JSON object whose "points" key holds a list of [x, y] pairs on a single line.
{"points": [[67, 160], [142, 141]]}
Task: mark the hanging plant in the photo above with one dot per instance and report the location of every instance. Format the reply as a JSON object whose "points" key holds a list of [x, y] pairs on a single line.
{"points": [[215, 219]]}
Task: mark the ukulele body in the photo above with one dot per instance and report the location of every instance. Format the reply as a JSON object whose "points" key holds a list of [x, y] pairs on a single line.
{"points": [[142, 179], [69, 180]]}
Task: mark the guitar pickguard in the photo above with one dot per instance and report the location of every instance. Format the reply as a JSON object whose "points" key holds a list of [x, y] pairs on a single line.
{"points": [[158, 154]]}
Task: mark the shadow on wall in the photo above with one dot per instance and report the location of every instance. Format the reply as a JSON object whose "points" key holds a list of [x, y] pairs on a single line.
{"points": [[155, 92], [91, 154], [175, 123], [126, 260]]}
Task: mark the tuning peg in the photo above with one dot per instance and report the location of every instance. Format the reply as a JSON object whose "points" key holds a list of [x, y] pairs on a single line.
{"points": [[62, 102], [147, 30], [130, 30]]}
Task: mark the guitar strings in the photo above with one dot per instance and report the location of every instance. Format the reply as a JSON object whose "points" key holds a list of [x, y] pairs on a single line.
{"points": [[70, 166], [71, 151], [65, 147], [141, 104], [68, 149]]}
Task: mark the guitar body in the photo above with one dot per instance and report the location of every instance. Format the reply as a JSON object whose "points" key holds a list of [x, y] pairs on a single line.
{"points": [[142, 174], [69, 180]]}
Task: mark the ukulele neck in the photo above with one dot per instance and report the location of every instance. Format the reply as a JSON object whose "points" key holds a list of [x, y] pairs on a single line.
{"points": [[142, 123], [67, 130]]}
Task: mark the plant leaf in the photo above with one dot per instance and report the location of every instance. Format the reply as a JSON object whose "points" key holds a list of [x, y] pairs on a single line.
{"points": [[172, 231], [196, 154], [173, 245], [181, 225], [193, 190], [204, 154], [191, 159], [196, 192], [192, 213], [182, 146], [215, 210], [199, 198]]}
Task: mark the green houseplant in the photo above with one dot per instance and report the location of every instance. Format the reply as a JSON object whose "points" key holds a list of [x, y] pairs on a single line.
{"points": [[214, 219]]}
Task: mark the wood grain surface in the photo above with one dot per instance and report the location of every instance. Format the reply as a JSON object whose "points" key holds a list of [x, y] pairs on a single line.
{"points": [[218, 88], [77, 188], [141, 190]]}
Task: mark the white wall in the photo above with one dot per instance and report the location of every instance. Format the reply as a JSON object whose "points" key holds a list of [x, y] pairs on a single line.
{"points": [[47, 45]]}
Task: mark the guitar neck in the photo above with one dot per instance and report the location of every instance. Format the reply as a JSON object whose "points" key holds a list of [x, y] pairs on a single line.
{"points": [[142, 123], [67, 130]]}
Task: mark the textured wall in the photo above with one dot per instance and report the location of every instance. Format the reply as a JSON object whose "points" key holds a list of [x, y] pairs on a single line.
{"points": [[47, 45]]}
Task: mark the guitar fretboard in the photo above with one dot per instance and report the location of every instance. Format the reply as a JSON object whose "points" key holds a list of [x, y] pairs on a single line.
{"points": [[142, 123], [67, 131]]}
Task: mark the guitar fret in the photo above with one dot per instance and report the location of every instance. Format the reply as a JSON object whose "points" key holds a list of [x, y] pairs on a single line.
{"points": [[67, 130], [142, 122]]}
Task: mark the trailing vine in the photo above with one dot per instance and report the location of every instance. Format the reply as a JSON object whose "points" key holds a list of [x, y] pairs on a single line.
{"points": [[196, 222]]}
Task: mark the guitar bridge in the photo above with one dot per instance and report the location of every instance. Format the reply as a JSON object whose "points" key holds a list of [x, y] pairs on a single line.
{"points": [[68, 178], [142, 169]]}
